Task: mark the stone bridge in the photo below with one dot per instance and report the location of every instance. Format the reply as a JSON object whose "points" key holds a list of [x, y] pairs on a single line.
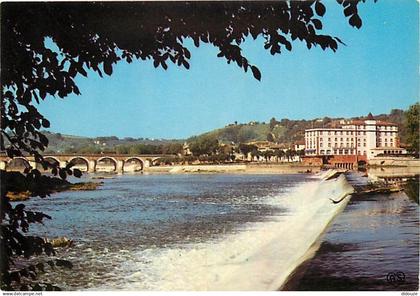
{"points": [[91, 163]]}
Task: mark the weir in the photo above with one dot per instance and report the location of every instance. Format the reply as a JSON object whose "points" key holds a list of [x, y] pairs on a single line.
{"points": [[296, 241], [259, 258]]}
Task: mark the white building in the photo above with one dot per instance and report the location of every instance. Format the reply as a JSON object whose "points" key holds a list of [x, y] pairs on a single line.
{"points": [[364, 138]]}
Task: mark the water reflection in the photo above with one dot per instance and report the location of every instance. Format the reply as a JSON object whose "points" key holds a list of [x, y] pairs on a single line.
{"points": [[372, 237]]}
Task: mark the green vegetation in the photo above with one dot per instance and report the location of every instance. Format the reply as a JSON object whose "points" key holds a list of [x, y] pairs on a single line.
{"points": [[67, 144], [288, 131], [285, 131], [411, 125]]}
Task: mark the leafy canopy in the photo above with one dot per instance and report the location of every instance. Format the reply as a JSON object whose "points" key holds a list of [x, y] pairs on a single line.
{"points": [[97, 35]]}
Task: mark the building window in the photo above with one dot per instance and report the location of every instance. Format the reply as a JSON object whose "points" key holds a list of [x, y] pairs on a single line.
{"points": [[329, 139], [329, 144], [364, 144]]}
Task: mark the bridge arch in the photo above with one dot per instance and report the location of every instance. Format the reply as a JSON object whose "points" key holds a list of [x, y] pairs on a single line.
{"points": [[18, 163], [80, 162], [102, 164], [155, 160], [133, 164], [51, 160]]}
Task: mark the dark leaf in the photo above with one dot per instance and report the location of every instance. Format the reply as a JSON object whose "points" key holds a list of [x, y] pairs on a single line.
{"points": [[82, 71], [186, 64], [45, 123], [355, 21], [62, 173], [350, 10], [77, 173], [108, 68], [319, 8], [256, 73], [317, 23]]}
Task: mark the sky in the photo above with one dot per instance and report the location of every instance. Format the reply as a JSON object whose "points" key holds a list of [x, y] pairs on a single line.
{"points": [[377, 70]]}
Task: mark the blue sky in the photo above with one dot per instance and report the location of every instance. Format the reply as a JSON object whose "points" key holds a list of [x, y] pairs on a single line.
{"points": [[377, 71]]}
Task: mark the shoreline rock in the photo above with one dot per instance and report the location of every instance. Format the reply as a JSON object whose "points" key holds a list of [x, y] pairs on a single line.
{"points": [[81, 186]]}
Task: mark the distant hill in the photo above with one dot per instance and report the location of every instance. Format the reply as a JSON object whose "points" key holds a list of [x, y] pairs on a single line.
{"points": [[288, 131], [285, 131], [60, 143]]}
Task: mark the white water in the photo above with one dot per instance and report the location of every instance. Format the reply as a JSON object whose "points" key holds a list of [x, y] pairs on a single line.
{"points": [[260, 257]]}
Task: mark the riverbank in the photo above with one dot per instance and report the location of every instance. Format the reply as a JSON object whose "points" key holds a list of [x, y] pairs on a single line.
{"points": [[235, 169], [54, 187]]}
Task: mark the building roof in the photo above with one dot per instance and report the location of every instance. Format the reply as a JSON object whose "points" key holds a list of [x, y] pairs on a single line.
{"points": [[380, 122]]}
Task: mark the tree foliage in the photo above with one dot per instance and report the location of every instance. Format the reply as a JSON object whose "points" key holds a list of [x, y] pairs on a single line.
{"points": [[94, 36], [411, 124], [206, 145]]}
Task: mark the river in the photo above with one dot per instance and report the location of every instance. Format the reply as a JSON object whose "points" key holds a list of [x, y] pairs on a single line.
{"points": [[188, 232]]}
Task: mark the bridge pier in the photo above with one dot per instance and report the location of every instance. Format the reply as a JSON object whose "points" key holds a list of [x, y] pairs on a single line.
{"points": [[120, 166], [147, 163], [92, 166], [63, 164], [3, 165]]}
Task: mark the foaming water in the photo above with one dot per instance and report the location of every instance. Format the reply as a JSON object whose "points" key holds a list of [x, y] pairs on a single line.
{"points": [[190, 232], [259, 257]]}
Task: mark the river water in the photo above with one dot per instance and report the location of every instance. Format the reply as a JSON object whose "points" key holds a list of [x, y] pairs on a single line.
{"points": [[193, 232], [375, 237], [132, 219]]}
